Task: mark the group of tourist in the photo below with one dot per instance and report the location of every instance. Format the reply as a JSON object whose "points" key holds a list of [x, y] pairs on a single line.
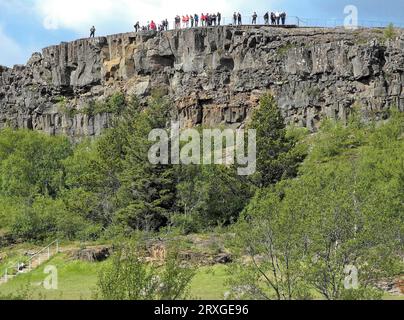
{"points": [[276, 18], [163, 26], [194, 20], [205, 20]]}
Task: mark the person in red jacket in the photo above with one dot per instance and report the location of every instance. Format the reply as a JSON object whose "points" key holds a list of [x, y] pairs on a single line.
{"points": [[153, 26]]}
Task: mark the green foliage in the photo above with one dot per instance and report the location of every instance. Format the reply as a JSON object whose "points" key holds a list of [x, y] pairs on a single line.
{"points": [[113, 105], [284, 49], [314, 212], [129, 277], [389, 32], [147, 192], [345, 208], [273, 231], [22, 293], [211, 195], [45, 219], [277, 157], [62, 107], [30, 163]]}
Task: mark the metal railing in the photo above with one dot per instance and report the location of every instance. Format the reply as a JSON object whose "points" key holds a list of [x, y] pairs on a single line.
{"points": [[37, 255], [226, 21], [292, 21], [332, 23]]}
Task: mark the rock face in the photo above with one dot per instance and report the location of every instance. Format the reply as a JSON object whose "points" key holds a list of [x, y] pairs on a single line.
{"points": [[214, 76]]}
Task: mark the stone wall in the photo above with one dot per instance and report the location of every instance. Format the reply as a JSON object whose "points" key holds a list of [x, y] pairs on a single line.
{"points": [[214, 75]]}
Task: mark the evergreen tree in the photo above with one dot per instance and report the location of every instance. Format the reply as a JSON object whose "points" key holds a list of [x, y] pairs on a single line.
{"points": [[147, 193], [277, 155]]}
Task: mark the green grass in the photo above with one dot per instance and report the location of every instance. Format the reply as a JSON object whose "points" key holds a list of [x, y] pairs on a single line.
{"points": [[209, 283], [77, 281]]}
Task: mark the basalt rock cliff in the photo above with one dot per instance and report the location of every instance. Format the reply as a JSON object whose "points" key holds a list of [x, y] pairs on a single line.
{"points": [[213, 75]]}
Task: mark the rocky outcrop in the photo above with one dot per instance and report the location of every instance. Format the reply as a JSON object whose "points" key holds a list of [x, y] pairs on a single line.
{"points": [[94, 254], [214, 76]]}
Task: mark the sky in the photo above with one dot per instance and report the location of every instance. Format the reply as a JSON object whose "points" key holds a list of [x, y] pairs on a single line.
{"points": [[27, 26]]}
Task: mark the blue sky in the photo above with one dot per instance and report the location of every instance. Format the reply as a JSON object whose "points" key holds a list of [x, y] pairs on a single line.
{"points": [[27, 26]]}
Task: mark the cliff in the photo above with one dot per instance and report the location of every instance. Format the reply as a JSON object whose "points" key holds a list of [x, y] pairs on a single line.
{"points": [[214, 75]]}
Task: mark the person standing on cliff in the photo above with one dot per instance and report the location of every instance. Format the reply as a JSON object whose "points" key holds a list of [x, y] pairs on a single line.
{"points": [[137, 26], [208, 20], [196, 18], [283, 17], [214, 19], [239, 19], [177, 22], [254, 18], [235, 19], [278, 17], [273, 18], [266, 18], [92, 32], [191, 17], [219, 18]]}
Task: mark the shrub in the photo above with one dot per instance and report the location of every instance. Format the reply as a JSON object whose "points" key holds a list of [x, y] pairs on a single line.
{"points": [[128, 277], [390, 32]]}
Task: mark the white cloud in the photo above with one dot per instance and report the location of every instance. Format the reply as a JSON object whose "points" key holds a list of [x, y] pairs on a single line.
{"points": [[10, 51], [79, 15]]}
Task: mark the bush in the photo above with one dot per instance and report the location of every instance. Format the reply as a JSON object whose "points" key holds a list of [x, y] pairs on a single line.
{"points": [[186, 224], [45, 220], [390, 32], [128, 277]]}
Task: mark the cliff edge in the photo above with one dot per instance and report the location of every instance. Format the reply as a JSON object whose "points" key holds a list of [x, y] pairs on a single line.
{"points": [[214, 76]]}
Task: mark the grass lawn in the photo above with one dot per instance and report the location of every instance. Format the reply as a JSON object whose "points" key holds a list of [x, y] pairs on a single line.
{"points": [[77, 280], [209, 283]]}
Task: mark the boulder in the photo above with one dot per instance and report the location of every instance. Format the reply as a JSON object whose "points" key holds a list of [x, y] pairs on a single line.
{"points": [[97, 254], [223, 258]]}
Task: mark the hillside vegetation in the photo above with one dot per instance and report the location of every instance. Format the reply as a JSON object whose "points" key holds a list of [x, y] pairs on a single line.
{"points": [[317, 205]]}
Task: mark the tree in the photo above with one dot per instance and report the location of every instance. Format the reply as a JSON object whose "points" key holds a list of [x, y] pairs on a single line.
{"points": [[147, 193], [30, 163], [345, 209], [271, 234], [212, 195], [277, 155]]}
